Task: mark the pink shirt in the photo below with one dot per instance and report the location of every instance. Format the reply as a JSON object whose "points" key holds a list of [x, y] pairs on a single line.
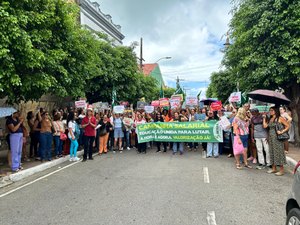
{"points": [[243, 126]]}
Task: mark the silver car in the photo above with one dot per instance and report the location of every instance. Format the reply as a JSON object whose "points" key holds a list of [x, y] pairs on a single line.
{"points": [[293, 203]]}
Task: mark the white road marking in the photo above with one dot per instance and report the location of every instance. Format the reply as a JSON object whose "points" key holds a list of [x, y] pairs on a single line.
{"points": [[211, 218], [40, 178], [206, 175]]}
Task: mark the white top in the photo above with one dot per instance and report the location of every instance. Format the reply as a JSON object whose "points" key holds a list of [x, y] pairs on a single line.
{"points": [[72, 125]]}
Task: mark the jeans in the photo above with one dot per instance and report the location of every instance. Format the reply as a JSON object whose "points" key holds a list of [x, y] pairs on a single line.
{"points": [[81, 137], [178, 146], [45, 145], [127, 136], [34, 141], [88, 146], [16, 144], [58, 145], [73, 148], [212, 149]]}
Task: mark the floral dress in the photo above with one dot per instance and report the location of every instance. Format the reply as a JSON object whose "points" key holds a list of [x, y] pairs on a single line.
{"points": [[277, 155]]}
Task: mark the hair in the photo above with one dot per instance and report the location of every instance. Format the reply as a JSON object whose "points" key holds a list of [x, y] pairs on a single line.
{"points": [[71, 117], [160, 119], [277, 112], [241, 113], [30, 115], [57, 116]]}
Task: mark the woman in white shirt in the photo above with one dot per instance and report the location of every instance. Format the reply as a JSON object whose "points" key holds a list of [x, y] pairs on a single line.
{"points": [[71, 134]]}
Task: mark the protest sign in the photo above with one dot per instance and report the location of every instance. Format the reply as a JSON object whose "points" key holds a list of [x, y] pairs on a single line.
{"points": [[141, 105], [119, 109], [224, 123], [235, 97], [80, 104], [215, 106], [124, 103], [104, 106], [191, 101], [127, 121], [175, 103], [97, 105], [155, 103], [208, 131], [149, 109], [164, 102], [178, 97]]}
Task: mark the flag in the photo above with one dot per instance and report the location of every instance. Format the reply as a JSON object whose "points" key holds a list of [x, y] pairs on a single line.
{"points": [[198, 96], [161, 92]]}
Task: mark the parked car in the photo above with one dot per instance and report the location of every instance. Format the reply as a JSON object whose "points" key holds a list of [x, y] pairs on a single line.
{"points": [[293, 202]]}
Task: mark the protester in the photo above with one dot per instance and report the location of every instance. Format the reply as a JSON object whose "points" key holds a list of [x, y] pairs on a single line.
{"points": [[15, 124], [89, 125], [178, 145], [128, 125], [97, 139], [193, 116], [141, 147], [241, 132], [118, 132], [285, 115], [212, 147], [59, 133], [72, 136], [277, 154], [46, 137], [37, 134], [158, 143], [104, 130], [30, 122], [259, 137]]}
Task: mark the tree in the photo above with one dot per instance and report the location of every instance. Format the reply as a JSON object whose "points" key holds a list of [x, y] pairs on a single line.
{"points": [[168, 92], [265, 49], [43, 50]]}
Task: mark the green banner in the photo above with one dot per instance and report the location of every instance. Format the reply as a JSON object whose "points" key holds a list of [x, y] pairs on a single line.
{"points": [[208, 131]]}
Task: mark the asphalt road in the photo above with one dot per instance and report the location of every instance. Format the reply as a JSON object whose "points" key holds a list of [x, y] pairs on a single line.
{"points": [[156, 188]]}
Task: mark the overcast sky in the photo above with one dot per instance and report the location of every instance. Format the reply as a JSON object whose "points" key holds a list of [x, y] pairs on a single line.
{"points": [[189, 31]]}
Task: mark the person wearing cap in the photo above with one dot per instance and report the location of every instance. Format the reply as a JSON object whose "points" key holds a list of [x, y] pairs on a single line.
{"points": [[259, 136], [15, 124], [89, 124]]}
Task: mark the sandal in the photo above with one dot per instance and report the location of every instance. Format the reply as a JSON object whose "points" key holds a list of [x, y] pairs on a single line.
{"points": [[238, 166], [271, 171], [248, 166], [279, 173]]}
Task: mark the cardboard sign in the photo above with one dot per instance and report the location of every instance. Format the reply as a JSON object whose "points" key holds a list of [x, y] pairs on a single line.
{"points": [[149, 109], [178, 97], [119, 109], [191, 101], [124, 103], [80, 104], [141, 105], [104, 105], [155, 103], [164, 102], [175, 103], [97, 105], [235, 97], [215, 106], [224, 123]]}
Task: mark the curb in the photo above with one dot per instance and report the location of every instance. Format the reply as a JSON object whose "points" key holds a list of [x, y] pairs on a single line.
{"points": [[36, 169], [291, 162]]}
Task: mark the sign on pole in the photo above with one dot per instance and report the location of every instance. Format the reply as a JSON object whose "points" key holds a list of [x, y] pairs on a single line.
{"points": [[235, 97], [119, 109], [191, 101], [80, 104], [215, 106]]}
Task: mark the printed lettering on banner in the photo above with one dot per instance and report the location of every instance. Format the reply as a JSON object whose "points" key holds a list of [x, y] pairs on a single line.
{"points": [[191, 101], [149, 109], [235, 97], [175, 103], [80, 104], [119, 109], [215, 106]]}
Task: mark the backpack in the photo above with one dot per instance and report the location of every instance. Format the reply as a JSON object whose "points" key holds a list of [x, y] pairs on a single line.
{"points": [[77, 131]]}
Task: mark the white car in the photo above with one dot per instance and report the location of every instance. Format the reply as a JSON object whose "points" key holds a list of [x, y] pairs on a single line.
{"points": [[293, 202]]}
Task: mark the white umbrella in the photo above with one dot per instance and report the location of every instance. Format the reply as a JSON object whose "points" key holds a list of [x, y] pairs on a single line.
{"points": [[6, 111]]}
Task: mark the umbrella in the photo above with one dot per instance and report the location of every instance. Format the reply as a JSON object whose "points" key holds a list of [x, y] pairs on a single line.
{"points": [[6, 111], [269, 96], [208, 101]]}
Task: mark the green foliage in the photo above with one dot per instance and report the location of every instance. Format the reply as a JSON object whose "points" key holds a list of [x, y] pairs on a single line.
{"points": [[168, 92]]}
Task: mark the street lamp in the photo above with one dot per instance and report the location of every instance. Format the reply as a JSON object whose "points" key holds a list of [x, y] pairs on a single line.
{"points": [[166, 57]]}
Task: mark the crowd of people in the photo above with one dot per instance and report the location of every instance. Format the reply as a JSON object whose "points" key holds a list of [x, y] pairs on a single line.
{"points": [[251, 137]]}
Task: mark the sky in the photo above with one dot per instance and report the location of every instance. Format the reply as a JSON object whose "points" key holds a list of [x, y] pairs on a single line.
{"points": [[189, 31]]}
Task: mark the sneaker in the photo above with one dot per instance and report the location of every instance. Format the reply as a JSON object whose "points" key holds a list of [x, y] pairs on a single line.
{"points": [[128, 148], [76, 159], [71, 159], [254, 161], [250, 158], [121, 151], [260, 167]]}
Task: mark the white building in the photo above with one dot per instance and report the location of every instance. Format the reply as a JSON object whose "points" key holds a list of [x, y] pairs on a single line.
{"points": [[93, 18]]}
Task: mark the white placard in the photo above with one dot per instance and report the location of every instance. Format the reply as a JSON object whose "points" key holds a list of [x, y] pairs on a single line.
{"points": [[191, 101], [235, 97], [224, 123], [149, 109], [175, 103], [119, 109], [80, 104]]}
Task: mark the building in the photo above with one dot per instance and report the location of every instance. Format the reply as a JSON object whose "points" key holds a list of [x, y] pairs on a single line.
{"points": [[93, 18], [153, 70]]}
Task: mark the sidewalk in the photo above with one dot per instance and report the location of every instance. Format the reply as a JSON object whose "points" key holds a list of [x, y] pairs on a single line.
{"points": [[293, 157]]}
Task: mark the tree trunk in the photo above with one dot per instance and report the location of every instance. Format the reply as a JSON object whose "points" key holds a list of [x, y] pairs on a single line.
{"points": [[293, 93]]}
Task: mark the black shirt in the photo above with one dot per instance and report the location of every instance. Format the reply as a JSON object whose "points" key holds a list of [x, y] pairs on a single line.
{"points": [[10, 120]]}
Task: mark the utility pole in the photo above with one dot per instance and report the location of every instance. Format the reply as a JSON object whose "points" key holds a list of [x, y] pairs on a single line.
{"points": [[141, 54]]}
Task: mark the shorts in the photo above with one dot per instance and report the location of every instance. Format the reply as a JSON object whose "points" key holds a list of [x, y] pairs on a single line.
{"points": [[118, 133], [244, 140]]}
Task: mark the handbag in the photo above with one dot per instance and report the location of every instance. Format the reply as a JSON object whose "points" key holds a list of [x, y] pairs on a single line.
{"points": [[238, 149], [284, 136], [63, 136]]}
